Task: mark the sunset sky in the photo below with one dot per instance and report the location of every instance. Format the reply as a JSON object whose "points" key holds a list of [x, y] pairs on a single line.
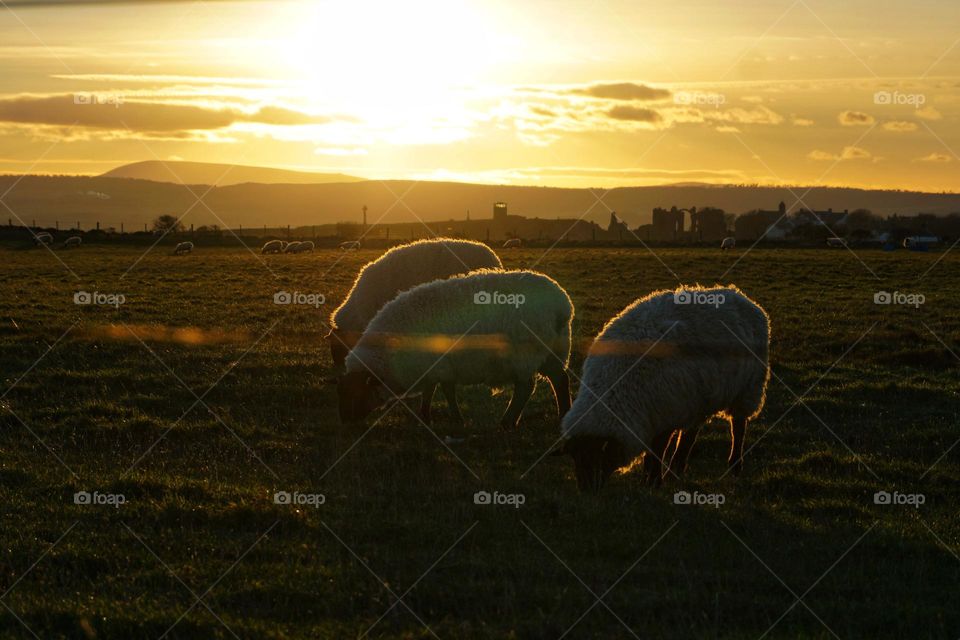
{"points": [[594, 93]]}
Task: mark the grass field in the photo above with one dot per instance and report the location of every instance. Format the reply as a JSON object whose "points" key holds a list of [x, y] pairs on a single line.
{"points": [[103, 398]]}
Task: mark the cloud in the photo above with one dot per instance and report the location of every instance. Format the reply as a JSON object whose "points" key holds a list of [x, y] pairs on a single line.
{"points": [[855, 119], [26, 4], [113, 111], [634, 114], [928, 113], [622, 91], [900, 126], [934, 157], [340, 151], [848, 153], [802, 122]]}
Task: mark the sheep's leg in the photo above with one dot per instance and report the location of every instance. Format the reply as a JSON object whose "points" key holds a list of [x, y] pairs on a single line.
{"points": [[653, 459], [560, 381], [522, 391], [685, 441], [450, 393], [738, 429], [425, 399]]}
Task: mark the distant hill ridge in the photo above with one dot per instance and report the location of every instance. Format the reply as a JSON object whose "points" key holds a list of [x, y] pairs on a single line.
{"points": [[180, 172], [133, 202]]}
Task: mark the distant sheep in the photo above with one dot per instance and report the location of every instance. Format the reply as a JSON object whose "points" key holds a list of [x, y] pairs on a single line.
{"points": [[350, 245], [512, 243], [72, 241], [274, 246], [836, 242], [303, 247], [291, 247], [728, 243], [397, 270], [666, 364], [42, 238], [183, 247], [486, 327]]}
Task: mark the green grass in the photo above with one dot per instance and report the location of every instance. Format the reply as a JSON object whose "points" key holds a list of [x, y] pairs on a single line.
{"points": [[399, 517]]}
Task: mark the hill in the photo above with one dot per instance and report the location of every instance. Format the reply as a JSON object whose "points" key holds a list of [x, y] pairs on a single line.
{"points": [[133, 202], [220, 174]]}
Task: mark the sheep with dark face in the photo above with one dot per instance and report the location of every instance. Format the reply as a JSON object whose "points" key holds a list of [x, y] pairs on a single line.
{"points": [[72, 241], [660, 368], [182, 248], [486, 327], [273, 246], [399, 269]]}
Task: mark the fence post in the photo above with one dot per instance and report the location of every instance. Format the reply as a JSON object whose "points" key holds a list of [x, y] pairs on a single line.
{"points": [[121, 228], [98, 225]]}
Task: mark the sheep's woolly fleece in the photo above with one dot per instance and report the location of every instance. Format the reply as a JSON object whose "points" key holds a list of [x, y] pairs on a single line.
{"points": [[470, 329], [664, 364], [403, 268]]}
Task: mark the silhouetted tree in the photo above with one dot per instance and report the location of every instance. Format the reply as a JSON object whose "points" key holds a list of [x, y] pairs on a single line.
{"points": [[166, 224]]}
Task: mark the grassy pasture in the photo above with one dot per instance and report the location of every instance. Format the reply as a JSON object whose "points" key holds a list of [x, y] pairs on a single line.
{"points": [[399, 549]]}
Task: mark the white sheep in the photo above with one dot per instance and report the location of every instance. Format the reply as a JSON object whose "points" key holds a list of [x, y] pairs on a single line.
{"points": [[42, 238], [729, 243], [666, 364], [183, 247], [273, 246], [303, 247], [399, 269], [486, 327], [72, 241], [512, 243], [291, 247], [350, 245]]}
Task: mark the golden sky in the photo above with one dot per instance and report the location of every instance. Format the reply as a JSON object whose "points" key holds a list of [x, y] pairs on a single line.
{"points": [[595, 93]]}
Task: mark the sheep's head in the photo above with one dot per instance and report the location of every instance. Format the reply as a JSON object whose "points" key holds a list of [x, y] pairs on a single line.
{"points": [[595, 458], [359, 394], [339, 348]]}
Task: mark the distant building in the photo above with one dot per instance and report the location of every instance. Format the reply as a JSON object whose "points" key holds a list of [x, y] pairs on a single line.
{"points": [[616, 225]]}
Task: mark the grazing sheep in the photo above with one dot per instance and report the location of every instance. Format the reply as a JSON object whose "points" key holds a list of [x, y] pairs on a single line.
{"points": [[291, 247], [42, 238], [303, 247], [836, 242], [512, 243], [397, 270], [350, 245], [667, 363], [486, 327], [183, 247], [72, 241], [728, 243], [274, 246]]}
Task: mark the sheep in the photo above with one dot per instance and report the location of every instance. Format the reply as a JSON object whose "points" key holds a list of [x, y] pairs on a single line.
{"points": [[303, 247], [512, 243], [72, 241], [729, 243], [836, 242], [350, 245], [397, 270], [291, 247], [183, 247], [666, 364], [273, 246], [485, 327], [42, 238]]}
